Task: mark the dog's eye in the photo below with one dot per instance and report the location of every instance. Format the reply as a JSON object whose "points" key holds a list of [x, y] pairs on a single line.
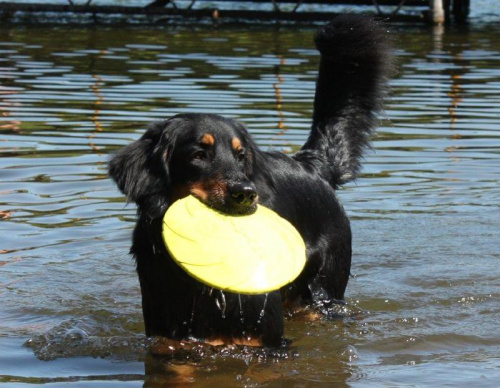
{"points": [[199, 155], [240, 156]]}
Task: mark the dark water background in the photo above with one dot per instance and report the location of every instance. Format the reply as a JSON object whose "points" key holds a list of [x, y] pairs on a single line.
{"points": [[425, 213]]}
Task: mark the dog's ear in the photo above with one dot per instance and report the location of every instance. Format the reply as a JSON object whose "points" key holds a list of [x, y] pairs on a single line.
{"points": [[140, 169]]}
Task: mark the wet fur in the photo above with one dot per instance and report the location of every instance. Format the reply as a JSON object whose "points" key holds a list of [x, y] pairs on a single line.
{"points": [[163, 166]]}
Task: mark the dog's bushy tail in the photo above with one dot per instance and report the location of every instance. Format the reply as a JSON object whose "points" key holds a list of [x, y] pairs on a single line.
{"points": [[355, 64]]}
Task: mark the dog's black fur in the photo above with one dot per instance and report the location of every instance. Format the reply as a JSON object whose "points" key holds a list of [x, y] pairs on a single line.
{"points": [[215, 159]]}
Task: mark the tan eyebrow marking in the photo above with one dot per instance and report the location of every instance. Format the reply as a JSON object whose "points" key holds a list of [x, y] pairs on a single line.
{"points": [[208, 139], [236, 143]]}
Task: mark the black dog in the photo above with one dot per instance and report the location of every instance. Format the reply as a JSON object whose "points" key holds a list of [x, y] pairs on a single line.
{"points": [[214, 159]]}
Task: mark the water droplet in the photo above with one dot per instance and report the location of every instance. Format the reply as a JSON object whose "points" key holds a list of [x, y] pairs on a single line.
{"points": [[191, 319], [221, 304], [349, 353], [76, 334], [242, 318], [263, 311]]}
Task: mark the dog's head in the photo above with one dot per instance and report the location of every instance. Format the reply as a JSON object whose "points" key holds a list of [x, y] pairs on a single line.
{"points": [[207, 156]]}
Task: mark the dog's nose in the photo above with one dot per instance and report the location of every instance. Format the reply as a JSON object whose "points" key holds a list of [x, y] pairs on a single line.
{"points": [[243, 193]]}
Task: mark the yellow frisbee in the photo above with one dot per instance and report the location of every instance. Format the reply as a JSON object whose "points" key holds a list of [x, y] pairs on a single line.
{"points": [[250, 254]]}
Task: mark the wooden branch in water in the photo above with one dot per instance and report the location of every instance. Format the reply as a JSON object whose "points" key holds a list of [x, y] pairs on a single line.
{"points": [[84, 8], [209, 12], [158, 6]]}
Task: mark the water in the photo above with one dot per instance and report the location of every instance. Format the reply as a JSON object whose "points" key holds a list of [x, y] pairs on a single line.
{"points": [[423, 301]]}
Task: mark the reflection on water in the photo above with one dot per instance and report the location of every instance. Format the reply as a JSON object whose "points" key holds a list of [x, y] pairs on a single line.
{"points": [[424, 293]]}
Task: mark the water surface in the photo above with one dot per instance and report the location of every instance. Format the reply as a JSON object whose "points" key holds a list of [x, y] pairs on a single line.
{"points": [[425, 213]]}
